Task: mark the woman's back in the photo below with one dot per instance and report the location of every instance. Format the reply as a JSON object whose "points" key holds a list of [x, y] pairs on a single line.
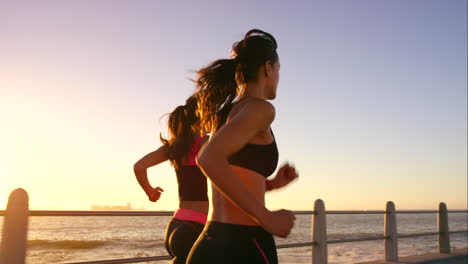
{"points": [[192, 184]]}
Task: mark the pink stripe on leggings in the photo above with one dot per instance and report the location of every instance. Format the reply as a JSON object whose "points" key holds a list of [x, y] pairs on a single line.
{"points": [[261, 251]]}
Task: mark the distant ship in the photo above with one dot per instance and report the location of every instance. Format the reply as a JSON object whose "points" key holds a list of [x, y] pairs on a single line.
{"points": [[128, 207]]}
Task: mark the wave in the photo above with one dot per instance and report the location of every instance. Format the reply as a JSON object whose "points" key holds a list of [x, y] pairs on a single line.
{"points": [[91, 244], [67, 244], [337, 236]]}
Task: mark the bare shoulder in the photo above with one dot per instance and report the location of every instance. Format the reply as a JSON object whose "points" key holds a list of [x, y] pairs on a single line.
{"points": [[258, 109]]}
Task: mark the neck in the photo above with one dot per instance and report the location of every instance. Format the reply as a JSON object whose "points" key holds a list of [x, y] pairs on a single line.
{"points": [[254, 90]]}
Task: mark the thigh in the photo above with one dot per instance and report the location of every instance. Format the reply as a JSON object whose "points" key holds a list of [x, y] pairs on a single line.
{"points": [[213, 250], [231, 250], [265, 245], [169, 230], [182, 239]]}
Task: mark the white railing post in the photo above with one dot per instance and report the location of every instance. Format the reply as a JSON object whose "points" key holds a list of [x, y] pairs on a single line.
{"points": [[391, 242], [444, 236], [15, 228], [319, 234]]}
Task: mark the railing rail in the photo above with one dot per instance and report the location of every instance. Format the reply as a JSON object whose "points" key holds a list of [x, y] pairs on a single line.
{"points": [[170, 213], [113, 213], [17, 209]]}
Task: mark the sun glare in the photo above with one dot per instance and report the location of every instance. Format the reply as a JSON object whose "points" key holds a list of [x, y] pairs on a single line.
{"points": [[3, 185]]}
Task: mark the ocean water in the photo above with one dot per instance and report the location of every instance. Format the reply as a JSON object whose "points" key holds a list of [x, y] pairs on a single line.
{"points": [[74, 239]]}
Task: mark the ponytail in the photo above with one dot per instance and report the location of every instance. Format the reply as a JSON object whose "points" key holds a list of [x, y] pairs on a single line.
{"points": [[180, 128], [217, 88]]}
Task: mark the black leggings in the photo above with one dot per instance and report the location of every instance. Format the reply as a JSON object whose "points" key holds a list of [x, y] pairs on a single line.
{"points": [[233, 244], [180, 237]]}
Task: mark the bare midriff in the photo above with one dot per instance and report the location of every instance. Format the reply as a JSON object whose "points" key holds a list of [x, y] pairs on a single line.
{"points": [[225, 211], [199, 206]]}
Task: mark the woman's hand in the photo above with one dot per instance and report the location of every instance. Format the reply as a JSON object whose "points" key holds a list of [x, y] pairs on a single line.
{"points": [[140, 170], [279, 222], [286, 174], [154, 194]]}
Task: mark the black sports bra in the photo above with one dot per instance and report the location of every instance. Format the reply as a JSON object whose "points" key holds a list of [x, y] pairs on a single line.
{"points": [[259, 158], [192, 184], [191, 180]]}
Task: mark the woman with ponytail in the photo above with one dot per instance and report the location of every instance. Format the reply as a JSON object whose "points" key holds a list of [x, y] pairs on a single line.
{"points": [[180, 148], [240, 154]]}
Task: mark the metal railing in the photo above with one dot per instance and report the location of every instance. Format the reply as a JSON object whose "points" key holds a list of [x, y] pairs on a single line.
{"points": [[14, 239]]}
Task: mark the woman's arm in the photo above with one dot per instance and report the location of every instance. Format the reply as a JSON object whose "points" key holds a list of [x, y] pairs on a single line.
{"points": [[140, 170], [255, 117], [285, 175]]}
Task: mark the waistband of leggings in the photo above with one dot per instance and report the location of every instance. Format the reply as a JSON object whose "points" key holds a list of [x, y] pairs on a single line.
{"points": [[235, 230], [190, 215]]}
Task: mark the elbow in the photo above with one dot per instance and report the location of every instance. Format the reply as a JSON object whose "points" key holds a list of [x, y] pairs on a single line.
{"points": [[137, 167], [200, 159], [210, 161], [205, 158]]}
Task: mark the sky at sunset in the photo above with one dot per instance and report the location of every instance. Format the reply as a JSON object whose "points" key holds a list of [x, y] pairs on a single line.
{"points": [[371, 105]]}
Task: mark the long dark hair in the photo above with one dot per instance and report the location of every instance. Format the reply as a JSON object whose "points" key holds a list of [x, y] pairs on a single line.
{"points": [[218, 83], [180, 127]]}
